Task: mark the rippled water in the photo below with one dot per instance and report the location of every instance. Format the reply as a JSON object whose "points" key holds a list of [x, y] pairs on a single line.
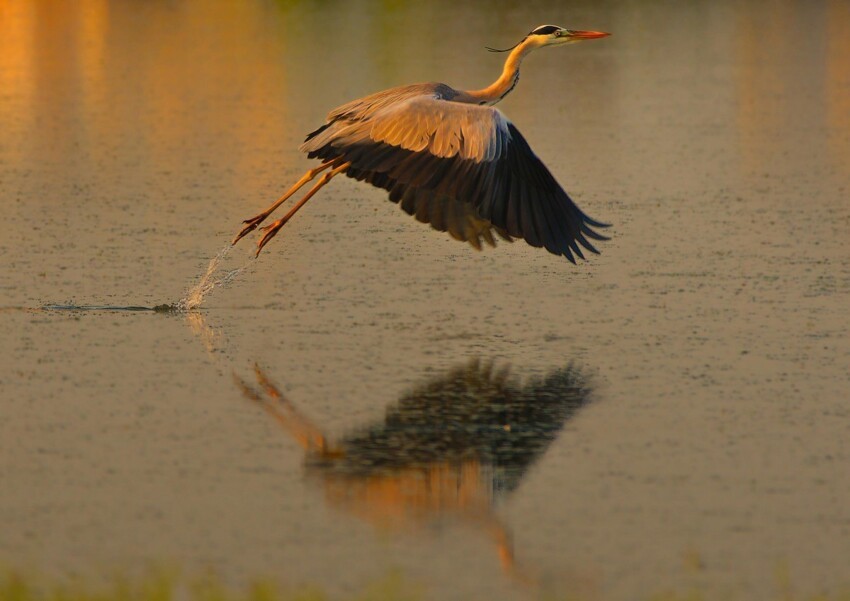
{"points": [[369, 395]]}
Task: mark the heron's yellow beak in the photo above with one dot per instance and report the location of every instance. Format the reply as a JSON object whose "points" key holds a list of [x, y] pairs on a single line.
{"points": [[584, 35], [571, 36]]}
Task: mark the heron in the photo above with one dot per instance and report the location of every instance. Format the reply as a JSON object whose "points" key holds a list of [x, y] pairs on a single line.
{"points": [[450, 159]]}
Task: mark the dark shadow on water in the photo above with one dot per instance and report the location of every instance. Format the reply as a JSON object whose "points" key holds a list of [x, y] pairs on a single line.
{"points": [[471, 412], [449, 448], [173, 308]]}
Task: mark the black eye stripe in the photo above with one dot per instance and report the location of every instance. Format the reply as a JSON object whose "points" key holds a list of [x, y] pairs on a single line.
{"points": [[544, 30]]}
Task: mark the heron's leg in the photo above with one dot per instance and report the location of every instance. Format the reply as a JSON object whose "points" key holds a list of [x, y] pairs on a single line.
{"points": [[307, 434], [255, 221], [271, 230]]}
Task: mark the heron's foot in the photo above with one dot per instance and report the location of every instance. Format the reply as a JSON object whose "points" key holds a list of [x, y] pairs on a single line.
{"points": [[270, 232], [252, 225]]}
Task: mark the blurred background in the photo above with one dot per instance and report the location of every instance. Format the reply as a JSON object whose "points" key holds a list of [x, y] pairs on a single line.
{"points": [[669, 416]]}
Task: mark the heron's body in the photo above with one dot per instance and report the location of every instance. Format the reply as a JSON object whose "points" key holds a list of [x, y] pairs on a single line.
{"points": [[452, 160]]}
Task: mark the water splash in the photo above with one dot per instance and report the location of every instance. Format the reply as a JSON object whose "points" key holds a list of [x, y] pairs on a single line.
{"points": [[193, 298], [209, 282]]}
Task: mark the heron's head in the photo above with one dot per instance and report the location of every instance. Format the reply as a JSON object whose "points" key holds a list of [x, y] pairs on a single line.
{"points": [[552, 35]]}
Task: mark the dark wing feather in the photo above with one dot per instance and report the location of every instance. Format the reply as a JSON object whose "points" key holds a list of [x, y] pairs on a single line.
{"points": [[463, 168]]}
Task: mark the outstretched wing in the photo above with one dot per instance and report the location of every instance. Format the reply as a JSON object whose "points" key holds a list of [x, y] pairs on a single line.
{"points": [[462, 168]]}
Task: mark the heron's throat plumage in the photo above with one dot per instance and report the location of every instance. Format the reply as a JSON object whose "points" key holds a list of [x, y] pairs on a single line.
{"points": [[508, 79]]}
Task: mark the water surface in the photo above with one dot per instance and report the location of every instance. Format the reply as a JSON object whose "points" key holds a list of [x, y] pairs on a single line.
{"points": [[710, 339]]}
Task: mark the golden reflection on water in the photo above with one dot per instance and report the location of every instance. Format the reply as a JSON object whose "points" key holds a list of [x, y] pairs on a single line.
{"points": [[838, 79], [80, 83], [777, 92], [210, 337], [16, 61], [83, 84], [450, 448]]}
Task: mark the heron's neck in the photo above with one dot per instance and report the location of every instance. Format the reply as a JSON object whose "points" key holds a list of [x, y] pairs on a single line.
{"points": [[507, 81]]}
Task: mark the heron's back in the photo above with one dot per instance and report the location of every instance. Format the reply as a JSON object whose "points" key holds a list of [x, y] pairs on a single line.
{"points": [[363, 108]]}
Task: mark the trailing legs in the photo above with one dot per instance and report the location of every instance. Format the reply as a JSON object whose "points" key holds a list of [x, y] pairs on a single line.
{"points": [[271, 230], [255, 221]]}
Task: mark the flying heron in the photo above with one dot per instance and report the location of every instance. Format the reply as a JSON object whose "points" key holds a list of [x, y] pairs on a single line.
{"points": [[451, 160]]}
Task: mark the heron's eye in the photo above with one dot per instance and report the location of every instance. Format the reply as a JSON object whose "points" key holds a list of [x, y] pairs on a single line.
{"points": [[557, 34]]}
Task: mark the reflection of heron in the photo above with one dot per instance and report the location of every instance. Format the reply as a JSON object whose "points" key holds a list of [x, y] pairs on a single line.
{"points": [[449, 447], [449, 158]]}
